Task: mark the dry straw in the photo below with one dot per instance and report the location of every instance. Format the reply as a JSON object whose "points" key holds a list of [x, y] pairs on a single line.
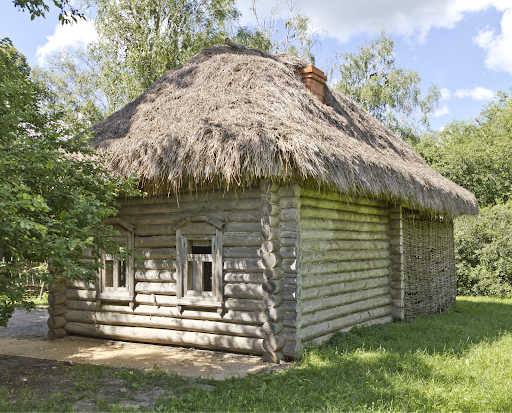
{"points": [[230, 117]]}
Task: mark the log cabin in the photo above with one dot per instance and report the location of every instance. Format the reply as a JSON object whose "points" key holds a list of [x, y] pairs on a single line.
{"points": [[278, 212]]}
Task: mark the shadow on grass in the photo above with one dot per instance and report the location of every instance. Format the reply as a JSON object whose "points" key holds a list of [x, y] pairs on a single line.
{"points": [[420, 365]]}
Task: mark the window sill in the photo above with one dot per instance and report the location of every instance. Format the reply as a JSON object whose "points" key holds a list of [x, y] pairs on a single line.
{"points": [[200, 302]]}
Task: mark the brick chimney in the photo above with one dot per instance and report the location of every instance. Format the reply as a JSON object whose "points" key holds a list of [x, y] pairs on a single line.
{"points": [[314, 79]]}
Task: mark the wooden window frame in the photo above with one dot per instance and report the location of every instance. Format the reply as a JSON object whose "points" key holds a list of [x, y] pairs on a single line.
{"points": [[116, 293], [187, 230]]}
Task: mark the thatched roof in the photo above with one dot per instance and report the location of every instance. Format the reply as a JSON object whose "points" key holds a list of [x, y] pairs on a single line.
{"points": [[231, 117]]}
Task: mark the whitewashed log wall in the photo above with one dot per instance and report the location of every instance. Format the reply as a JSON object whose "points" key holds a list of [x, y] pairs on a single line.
{"points": [[397, 251], [344, 271], [155, 318]]}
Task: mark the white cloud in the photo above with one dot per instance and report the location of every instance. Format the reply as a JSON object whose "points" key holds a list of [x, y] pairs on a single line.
{"points": [[442, 128], [498, 47], [478, 93], [344, 19], [441, 111], [75, 35], [445, 93]]}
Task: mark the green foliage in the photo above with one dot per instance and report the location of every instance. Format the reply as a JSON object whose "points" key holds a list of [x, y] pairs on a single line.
{"points": [[483, 248], [391, 94], [38, 8], [476, 154], [53, 197]]}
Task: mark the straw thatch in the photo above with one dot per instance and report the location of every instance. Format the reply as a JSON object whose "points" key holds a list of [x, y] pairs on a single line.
{"points": [[231, 117]]}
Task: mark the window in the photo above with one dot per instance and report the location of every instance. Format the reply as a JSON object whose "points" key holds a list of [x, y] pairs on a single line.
{"points": [[199, 261], [116, 280]]}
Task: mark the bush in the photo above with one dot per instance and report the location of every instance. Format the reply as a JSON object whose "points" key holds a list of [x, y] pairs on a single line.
{"points": [[483, 249]]}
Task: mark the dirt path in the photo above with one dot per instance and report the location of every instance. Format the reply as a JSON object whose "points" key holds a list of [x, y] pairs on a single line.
{"points": [[26, 336]]}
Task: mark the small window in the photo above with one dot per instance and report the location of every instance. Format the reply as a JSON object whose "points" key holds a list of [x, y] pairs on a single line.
{"points": [[116, 278], [199, 261]]}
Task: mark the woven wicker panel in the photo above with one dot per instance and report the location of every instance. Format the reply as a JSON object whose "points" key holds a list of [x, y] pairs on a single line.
{"points": [[428, 264]]}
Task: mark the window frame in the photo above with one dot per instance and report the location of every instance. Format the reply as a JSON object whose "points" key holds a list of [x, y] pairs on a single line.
{"points": [[126, 293], [195, 228]]}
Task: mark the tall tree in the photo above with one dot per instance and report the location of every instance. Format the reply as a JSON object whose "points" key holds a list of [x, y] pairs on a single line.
{"points": [[54, 198], [391, 94], [38, 8]]}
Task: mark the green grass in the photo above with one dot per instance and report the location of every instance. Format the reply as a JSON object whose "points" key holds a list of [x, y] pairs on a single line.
{"points": [[459, 361]]}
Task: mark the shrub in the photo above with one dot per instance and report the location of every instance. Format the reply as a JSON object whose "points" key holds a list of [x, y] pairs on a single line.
{"points": [[483, 249]]}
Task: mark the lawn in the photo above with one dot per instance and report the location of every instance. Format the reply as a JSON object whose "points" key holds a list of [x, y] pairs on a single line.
{"points": [[461, 360]]}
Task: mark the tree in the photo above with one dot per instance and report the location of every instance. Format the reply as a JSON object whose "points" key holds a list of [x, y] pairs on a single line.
{"points": [[54, 198], [393, 95], [37, 8], [476, 154]]}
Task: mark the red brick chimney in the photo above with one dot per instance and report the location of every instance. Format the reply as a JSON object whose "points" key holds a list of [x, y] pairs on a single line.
{"points": [[314, 79]]}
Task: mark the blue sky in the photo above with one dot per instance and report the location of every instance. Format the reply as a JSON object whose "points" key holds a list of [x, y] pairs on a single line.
{"points": [[464, 46]]}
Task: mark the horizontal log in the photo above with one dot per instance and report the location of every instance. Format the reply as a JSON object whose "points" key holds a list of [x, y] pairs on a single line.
{"points": [[290, 266], [249, 264], [344, 309], [157, 241], [336, 196], [56, 299], [292, 226], [336, 267], [338, 244], [289, 305], [326, 327], [156, 264], [155, 288], [343, 206], [155, 253], [244, 304], [289, 319], [122, 319], [57, 288], [242, 252], [289, 214], [55, 311], [189, 208], [288, 252], [241, 239], [289, 349], [155, 275], [340, 225], [241, 277], [81, 294], [57, 333], [56, 322], [312, 212], [243, 290], [342, 255], [339, 300], [80, 284], [288, 242], [344, 287], [231, 315], [162, 336], [289, 202], [289, 333], [289, 292], [328, 279]]}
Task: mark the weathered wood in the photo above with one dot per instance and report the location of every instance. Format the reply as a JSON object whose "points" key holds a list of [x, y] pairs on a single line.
{"points": [[241, 277], [162, 336], [320, 329], [243, 290], [55, 311], [134, 320], [343, 244], [288, 349], [155, 275], [249, 264], [289, 333], [244, 304], [57, 333], [56, 299], [336, 267], [242, 252], [288, 252], [57, 288], [289, 214], [156, 264], [333, 301], [155, 253], [312, 212], [240, 239], [335, 196], [289, 292], [316, 223], [289, 319], [157, 241], [80, 294], [80, 284], [56, 322], [343, 206], [345, 309], [342, 255], [335, 289], [155, 288], [327, 279]]}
